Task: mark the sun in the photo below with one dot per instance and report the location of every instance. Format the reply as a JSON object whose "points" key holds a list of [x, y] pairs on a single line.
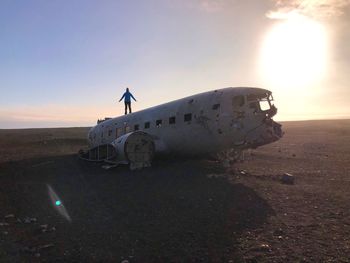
{"points": [[293, 53]]}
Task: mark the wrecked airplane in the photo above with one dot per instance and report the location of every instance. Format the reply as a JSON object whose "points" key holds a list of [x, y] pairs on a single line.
{"points": [[205, 123]]}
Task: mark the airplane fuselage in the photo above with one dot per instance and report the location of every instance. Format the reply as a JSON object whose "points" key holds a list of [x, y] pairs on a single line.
{"points": [[205, 123]]}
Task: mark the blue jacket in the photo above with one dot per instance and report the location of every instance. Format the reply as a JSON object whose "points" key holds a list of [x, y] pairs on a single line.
{"points": [[127, 97]]}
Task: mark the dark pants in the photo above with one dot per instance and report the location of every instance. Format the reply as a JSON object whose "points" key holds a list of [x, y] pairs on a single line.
{"points": [[127, 104]]}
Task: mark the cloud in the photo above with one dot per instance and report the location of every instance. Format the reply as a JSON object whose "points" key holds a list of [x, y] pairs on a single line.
{"points": [[318, 9]]}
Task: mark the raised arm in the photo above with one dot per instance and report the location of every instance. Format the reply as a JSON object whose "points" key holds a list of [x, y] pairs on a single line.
{"points": [[132, 97], [122, 97]]}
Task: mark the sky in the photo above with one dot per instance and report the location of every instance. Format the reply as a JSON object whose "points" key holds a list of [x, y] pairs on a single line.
{"points": [[66, 63]]}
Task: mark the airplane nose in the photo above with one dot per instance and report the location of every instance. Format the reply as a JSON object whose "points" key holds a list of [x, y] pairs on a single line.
{"points": [[277, 128], [269, 132]]}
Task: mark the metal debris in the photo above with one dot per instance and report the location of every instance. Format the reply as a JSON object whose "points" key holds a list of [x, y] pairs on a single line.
{"points": [[42, 164], [230, 157], [10, 216], [109, 166], [34, 250], [287, 178], [45, 228], [264, 247], [46, 246], [28, 220]]}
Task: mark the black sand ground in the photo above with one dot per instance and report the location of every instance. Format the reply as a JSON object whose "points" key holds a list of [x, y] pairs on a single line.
{"points": [[179, 210]]}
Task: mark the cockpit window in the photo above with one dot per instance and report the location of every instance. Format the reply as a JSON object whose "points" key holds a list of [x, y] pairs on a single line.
{"points": [[260, 101], [264, 105]]}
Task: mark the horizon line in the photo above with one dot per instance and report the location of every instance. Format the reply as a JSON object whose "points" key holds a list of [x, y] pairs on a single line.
{"points": [[345, 118]]}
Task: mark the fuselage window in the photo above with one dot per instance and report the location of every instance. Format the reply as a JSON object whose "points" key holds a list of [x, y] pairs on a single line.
{"points": [[216, 106], [188, 117], [172, 120], [119, 132], [136, 127], [158, 123], [109, 132], [127, 129], [147, 125]]}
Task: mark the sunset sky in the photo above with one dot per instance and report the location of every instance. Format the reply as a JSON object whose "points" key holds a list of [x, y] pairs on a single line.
{"points": [[66, 63]]}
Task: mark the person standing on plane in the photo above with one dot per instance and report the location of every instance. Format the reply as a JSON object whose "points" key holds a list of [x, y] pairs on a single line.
{"points": [[127, 100]]}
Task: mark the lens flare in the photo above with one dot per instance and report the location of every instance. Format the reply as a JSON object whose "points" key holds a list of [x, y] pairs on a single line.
{"points": [[58, 204]]}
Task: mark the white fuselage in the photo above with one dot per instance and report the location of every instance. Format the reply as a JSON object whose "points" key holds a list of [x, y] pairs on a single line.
{"points": [[204, 123]]}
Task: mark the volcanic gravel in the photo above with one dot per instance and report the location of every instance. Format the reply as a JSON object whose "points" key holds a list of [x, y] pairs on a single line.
{"points": [[179, 210]]}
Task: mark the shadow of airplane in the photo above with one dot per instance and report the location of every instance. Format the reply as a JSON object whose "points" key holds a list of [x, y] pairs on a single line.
{"points": [[171, 212]]}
